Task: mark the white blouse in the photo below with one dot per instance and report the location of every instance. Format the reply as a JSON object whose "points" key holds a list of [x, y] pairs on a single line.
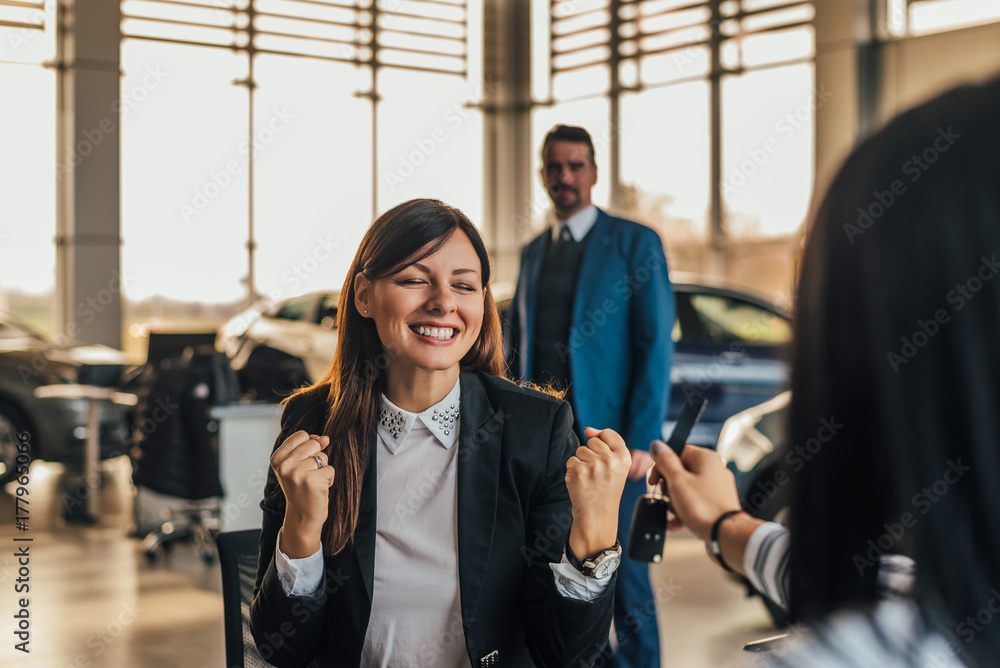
{"points": [[416, 618]]}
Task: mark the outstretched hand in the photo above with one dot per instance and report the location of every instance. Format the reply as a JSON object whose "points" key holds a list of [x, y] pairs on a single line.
{"points": [[699, 485], [595, 477], [642, 461]]}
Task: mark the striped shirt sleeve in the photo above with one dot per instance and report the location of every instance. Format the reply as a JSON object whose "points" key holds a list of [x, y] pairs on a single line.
{"points": [[766, 561]]}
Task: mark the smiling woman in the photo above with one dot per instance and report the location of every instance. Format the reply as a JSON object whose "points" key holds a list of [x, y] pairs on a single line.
{"points": [[428, 315], [420, 509]]}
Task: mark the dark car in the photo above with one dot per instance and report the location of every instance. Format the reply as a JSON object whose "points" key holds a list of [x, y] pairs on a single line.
{"points": [[729, 348], [58, 427], [728, 345]]}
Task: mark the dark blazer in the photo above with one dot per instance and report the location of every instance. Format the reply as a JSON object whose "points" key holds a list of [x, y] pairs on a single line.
{"points": [[514, 515], [620, 340]]}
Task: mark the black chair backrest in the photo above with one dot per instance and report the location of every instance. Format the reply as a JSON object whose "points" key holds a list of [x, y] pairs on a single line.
{"points": [[238, 558]]}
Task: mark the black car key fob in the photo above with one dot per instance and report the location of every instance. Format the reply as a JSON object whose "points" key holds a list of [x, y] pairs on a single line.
{"points": [[648, 530]]}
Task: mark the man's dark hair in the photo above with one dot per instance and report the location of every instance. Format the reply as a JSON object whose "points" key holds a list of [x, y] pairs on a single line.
{"points": [[571, 133]]}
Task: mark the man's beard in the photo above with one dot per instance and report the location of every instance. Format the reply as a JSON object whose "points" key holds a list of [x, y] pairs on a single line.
{"points": [[557, 190]]}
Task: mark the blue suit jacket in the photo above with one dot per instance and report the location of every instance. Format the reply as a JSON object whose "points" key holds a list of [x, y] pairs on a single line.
{"points": [[620, 339]]}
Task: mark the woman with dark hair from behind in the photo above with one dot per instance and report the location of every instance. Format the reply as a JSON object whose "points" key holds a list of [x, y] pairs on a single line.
{"points": [[420, 510], [897, 319]]}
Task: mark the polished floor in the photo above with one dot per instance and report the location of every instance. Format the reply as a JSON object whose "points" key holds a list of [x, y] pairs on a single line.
{"points": [[95, 602]]}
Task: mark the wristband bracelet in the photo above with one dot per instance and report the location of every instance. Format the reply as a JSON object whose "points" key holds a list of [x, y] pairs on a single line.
{"points": [[714, 543]]}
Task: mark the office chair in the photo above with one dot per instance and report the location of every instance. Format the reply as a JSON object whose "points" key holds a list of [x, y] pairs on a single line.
{"points": [[175, 451], [238, 558]]}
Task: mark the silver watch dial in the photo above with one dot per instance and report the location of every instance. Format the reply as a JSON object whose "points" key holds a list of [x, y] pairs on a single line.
{"points": [[605, 565]]}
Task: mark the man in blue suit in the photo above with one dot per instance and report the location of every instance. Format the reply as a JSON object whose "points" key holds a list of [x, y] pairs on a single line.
{"points": [[593, 314]]}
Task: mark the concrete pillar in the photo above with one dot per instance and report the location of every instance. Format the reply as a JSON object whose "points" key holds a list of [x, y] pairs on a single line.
{"points": [[508, 208], [839, 25], [88, 227]]}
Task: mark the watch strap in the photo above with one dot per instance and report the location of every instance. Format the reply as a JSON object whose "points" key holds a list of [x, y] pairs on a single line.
{"points": [[582, 566]]}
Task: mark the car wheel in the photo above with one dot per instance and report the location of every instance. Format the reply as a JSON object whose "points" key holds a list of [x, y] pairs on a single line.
{"points": [[12, 422]]}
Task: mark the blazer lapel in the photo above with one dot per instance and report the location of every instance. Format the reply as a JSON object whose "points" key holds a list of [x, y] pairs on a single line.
{"points": [[364, 533], [478, 478], [590, 273], [528, 290]]}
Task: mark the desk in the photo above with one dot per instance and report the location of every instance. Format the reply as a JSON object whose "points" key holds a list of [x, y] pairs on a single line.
{"points": [[246, 437], [93, 395]]}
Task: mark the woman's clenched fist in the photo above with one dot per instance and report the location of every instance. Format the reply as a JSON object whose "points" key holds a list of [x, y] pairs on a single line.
{"points": [[305, 476], [595, 477]]}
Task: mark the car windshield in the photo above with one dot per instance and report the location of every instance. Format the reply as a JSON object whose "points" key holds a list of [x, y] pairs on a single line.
{"points": [[293, 309], [719, 319]]}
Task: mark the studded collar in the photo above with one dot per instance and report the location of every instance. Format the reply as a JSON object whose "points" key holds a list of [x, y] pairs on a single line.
{"points": [[441, 419]]}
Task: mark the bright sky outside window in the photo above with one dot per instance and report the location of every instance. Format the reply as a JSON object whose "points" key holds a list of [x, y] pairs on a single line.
{"points": [[664, 52], [314, 176], [184, 171], [315, 172], [910, 18], [768, 123], [28, 178], [28, 161], [665, 135]]}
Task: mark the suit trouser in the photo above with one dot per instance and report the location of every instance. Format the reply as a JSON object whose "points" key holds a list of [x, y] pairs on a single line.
{"points": [[635, 605]]}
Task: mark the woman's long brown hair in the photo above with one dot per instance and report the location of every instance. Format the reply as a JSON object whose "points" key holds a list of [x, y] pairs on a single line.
{"points": [[352, 386]]}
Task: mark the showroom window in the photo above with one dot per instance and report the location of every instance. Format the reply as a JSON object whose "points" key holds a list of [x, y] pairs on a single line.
{"points": [[704, 110], [279, 115], [29, 166], [910, 18]]}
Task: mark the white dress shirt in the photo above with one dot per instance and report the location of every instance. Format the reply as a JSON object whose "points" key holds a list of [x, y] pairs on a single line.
{"points": [[579, 224], [416, 617]]}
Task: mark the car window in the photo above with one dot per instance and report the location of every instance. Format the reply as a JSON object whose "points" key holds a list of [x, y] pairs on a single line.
{"points": [[293, 309], [717, 319], [328, 309]]}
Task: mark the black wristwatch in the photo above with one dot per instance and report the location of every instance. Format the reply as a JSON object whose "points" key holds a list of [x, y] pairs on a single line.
{"points": [[600, 565]]}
